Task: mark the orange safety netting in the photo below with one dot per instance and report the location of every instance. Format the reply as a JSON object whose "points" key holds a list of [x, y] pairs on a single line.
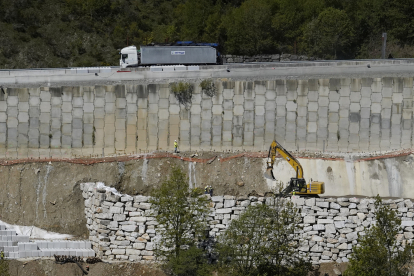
{"points": [[159, 155], [404, 152], [90, 161]]}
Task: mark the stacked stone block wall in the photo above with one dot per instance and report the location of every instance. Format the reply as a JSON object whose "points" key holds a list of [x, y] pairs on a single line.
{"points": [[264, 58], [123, 227], [348, 115]]}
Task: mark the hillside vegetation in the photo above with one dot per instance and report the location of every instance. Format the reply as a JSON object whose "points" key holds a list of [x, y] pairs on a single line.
{"points": [[66, 33]]}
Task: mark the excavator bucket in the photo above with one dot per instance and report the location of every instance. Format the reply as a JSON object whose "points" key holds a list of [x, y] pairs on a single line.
{"points": [[269, 174]]}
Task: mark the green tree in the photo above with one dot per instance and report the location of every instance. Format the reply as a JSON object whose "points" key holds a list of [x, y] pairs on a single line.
{"points": [[263, 241], [182, 213], [4, 265], [378, 252], [291, 18], [249, 28], [194, 16], [330, 34]]}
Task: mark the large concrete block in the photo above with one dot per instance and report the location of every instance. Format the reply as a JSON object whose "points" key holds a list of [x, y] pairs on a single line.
{"points": [[356, 85], [376, 85], [23, 106], [333, 107], [3, 118], [88, 107], [120, 113], [208, 104], [323, 101], [12, 122], [56, 112], [12, 111], [355, 97], [34, 101], [386, 113], [313, 106], [12, 101], [260, 100], [77, 112], [397, 98], [291, 106], [387, 92]]}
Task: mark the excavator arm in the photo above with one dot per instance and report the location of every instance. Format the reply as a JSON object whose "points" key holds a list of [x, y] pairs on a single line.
{"points": [[274, 148]]}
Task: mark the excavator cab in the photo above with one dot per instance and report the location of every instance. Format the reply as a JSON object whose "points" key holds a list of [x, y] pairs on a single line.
{"points": [[298, 185]]}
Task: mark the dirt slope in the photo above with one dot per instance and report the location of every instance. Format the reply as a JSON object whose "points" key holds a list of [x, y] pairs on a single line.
{"points": [[47, 195]]}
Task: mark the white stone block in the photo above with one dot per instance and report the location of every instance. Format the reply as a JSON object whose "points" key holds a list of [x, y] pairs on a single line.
{"points": [[407, 223], [229, 203], [217, 199], [343, 246], [335, 206], [309, 220], [318, 227], [224, 211], [129, 228], [325, 221], [140, 198], [138, 245], [138, 219]]}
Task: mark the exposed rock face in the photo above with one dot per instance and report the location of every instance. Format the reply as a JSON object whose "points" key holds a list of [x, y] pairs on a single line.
{"points": [[124, 228]]}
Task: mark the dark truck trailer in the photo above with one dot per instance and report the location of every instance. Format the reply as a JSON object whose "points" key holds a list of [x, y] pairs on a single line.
{"points": [[169, 55]]}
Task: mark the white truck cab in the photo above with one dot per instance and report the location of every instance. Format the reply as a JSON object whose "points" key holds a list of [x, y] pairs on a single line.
{"points": [[129, 57]]}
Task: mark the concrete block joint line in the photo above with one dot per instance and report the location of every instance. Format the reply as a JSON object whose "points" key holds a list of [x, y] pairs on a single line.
{"points": [[331, 226]]}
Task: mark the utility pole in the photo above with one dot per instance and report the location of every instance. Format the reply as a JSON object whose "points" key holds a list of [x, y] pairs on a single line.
{"points": [[384, 45]]}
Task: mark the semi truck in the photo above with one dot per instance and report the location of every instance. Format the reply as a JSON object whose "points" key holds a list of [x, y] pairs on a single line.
{"points": [[181, 53]]}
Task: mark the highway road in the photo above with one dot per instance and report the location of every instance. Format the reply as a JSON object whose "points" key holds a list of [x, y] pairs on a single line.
{"points": [[245, 71]]}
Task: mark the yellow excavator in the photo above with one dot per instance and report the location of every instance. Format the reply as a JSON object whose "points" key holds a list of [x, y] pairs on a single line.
{"points": [[297, 185]]}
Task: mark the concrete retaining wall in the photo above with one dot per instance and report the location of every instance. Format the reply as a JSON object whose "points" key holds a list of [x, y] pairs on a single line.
{"points": [[123, 227], [351, 115]]}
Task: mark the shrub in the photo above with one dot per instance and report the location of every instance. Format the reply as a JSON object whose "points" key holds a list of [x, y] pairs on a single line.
{"points": [[378, 252], [4, 265], [263, 241], [208, 88], [183, 92]]}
